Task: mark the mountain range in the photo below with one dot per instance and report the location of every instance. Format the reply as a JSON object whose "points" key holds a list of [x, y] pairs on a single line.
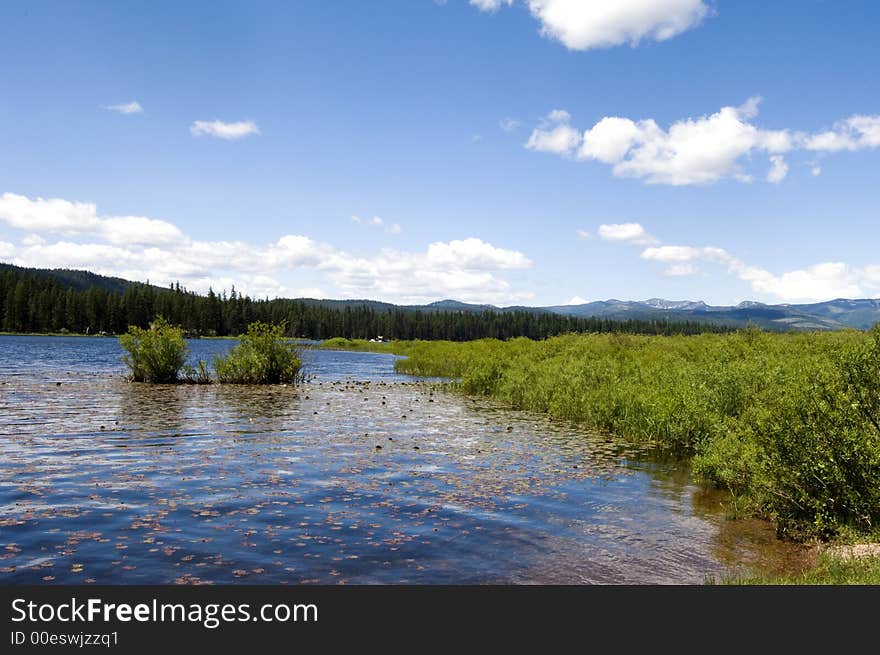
{"points": [[830, 315]]}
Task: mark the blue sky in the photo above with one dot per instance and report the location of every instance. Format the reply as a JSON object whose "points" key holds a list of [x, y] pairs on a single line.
{"points": [[526, 152]]}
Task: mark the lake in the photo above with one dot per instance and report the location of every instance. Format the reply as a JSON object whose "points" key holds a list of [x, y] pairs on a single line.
{"points": [[360, 476]]}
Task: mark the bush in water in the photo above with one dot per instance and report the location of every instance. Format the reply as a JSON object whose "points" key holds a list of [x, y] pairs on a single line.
{"points": [[263, 356], [154, 355]]}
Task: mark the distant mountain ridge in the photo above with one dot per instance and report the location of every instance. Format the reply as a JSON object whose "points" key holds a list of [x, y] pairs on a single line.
{"points": [[830, 315], [74, 279]]}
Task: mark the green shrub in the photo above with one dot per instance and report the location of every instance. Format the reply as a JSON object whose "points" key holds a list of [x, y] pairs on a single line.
{"points": [[341, 343], [821, 439], [262, 356], [154, 355]]}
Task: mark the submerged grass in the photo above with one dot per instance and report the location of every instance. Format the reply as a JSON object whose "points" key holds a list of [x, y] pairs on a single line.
{"points": [[788, 423]]}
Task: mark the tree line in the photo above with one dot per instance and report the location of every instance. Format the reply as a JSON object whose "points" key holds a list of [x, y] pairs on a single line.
{"points": [[42, 304]]}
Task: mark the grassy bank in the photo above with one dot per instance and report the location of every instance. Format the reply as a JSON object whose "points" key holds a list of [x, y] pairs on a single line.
{"points": [[363, 345], [788, 423], [830, 569]]}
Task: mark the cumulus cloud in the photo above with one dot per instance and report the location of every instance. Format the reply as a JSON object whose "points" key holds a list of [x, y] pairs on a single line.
{"points": [[474, 254], [139, 230], [555, 134], [141, 248], [585, 25], [694, 150], [221, 130], [626, 232], [855, 133], [52, 215], [584, 234], [58, 216], [823, 281], [133, 107]]}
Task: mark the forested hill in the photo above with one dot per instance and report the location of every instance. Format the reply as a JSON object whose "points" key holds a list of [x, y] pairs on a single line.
{"points": [[78, 280], [43, 301]]}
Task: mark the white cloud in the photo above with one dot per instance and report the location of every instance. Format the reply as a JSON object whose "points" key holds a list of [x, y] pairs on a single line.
{"points": [[695, 150], [692, 151], [609, 140], [857, 132], [490, 5], [138, 229], [555, 134], [583, 25], [778, 169], [668, 254], [141, 248], [824, 281], [474, 254], [133, 107], [509, 124], [68, 254], [816, 170], [52, 215], [221, 130], [57, 216], [588, 24], [627, 232], [583, 234]]}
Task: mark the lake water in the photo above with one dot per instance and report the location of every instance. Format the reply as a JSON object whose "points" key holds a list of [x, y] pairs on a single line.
{"points": [[360, 476]]}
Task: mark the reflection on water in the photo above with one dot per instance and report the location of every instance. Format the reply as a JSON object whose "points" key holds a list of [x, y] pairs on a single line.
{"points": [[376, 480]]}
